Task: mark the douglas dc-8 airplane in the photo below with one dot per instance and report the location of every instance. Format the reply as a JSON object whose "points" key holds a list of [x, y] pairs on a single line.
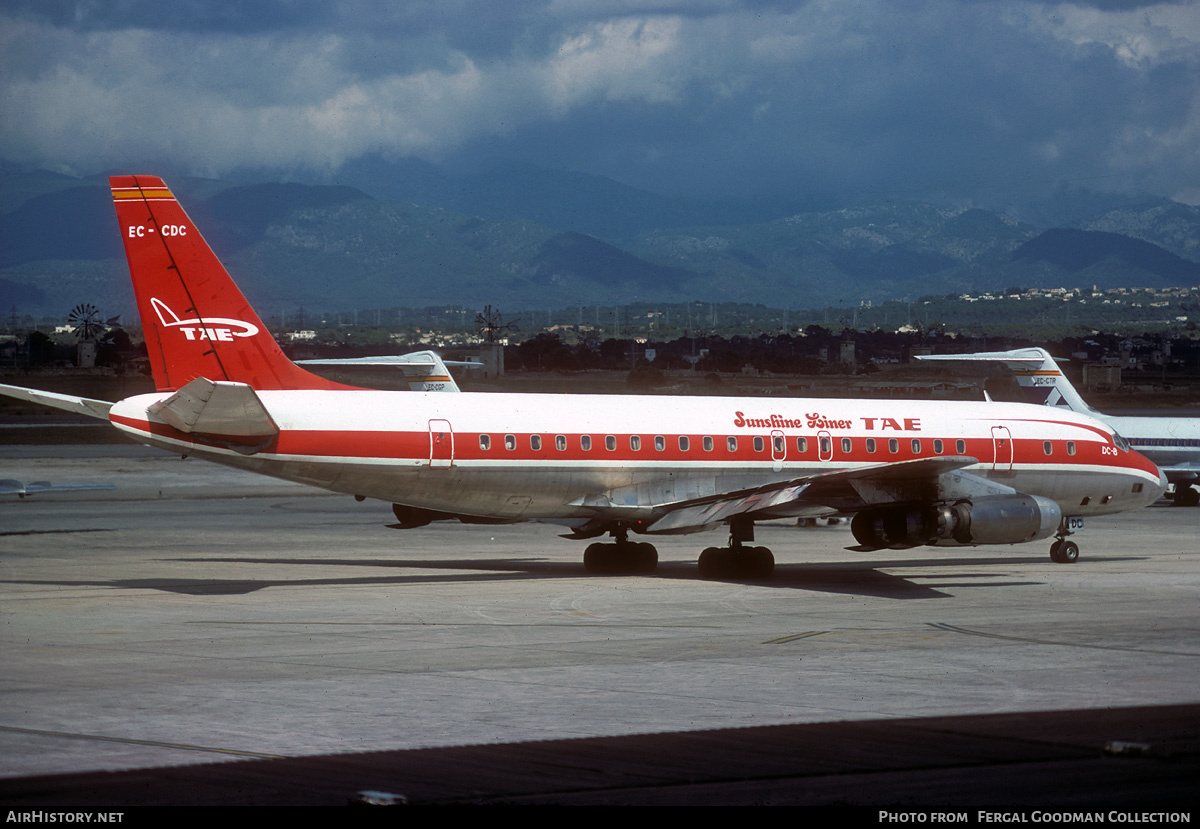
{"points": [[912, 472]]}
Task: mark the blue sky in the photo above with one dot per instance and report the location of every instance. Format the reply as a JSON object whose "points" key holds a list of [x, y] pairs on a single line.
{"points": [[970, 99]]}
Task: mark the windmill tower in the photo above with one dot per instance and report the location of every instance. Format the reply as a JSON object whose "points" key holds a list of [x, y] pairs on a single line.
{"points": [[492, 326], [84, 319]]}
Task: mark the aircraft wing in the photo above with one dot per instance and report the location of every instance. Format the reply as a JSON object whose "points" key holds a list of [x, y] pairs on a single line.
{"points": [[662, 508], [424, 370], [79, 405]]}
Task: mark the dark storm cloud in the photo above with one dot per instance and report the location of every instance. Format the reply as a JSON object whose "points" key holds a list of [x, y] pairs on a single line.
{"points": [[717, 96]]}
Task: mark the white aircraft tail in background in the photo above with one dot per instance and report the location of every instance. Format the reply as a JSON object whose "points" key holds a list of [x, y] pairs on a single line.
{"points": [[424, 370], [1173, 443]]}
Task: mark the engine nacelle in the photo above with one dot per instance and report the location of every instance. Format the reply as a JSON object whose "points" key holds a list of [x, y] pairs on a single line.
{"points": [[1004, 519], [412, 517]]}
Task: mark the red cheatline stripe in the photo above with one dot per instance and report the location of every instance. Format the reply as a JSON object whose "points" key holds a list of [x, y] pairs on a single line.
{"points": [[415, 445]]}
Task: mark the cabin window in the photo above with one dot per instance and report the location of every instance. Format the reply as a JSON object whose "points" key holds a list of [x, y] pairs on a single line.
{"points": [[758, 444], [826, 446], [871, 445], [846, 445], [708, 444], [610, 443], [916, 446], [635, 443], [585, 443], [893, 446], [1070, 447], [801, 445], [1047, 447], [938, 447], [485, 442], [960, 447], [535, 442], [777, 444], [684, 443], [660, 443], [560, 443], [731, 444], [510, 442]]}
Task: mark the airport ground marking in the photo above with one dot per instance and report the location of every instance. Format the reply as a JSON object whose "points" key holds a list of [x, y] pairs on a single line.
{"points": [[956, 629], [783, 640], [129, 741]]}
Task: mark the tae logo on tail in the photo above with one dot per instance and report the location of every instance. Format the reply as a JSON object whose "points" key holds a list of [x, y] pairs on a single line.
{"points": [[214, 328]]}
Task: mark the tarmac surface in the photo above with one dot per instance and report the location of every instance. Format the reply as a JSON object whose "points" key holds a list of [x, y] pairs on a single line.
{"points": [[198, 635]]}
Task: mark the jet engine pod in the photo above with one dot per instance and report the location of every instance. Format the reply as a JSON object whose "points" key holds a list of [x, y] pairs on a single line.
{"points": [[412, 517], [898, 527], [1004, 519]]}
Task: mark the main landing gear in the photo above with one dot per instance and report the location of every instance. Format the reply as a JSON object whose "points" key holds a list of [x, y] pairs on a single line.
{"points": [[739, 560], [621, 558]]}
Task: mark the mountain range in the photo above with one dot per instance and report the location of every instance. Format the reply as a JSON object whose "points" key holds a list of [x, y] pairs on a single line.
{"points": [[412, 235]]}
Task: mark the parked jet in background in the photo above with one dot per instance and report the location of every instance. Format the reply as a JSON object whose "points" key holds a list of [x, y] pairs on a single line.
{"points": [[423, 370], [912, 472], [1173, 443]]}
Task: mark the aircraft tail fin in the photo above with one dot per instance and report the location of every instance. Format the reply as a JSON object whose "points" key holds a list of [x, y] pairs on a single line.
{"points": [[1037, 373], [196, 321]]}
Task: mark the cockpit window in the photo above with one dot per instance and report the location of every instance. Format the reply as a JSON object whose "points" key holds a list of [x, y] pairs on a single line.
{"points": [[1121, 443]]}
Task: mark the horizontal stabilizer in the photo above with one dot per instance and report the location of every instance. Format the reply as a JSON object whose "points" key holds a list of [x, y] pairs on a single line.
{"points": [[221, 409], [80, 405], [1020, 356]]}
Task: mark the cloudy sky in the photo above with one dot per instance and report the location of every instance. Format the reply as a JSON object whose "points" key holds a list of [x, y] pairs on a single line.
{"points": [[973, 98]]}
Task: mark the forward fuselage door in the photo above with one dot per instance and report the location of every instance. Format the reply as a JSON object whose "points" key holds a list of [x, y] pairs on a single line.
{"points": [[441, 444], [1002, 449]]}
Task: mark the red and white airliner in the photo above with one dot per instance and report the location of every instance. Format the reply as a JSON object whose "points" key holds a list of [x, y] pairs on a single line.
{"points": [[911, 472]]}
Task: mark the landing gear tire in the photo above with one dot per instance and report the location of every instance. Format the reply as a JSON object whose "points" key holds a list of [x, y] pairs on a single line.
{"points": [[1186, 496], [620, 559], [1064, 551], [736, 563]]}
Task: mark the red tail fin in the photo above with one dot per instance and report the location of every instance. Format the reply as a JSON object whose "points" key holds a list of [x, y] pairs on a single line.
{"points": [[196, 321]]}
